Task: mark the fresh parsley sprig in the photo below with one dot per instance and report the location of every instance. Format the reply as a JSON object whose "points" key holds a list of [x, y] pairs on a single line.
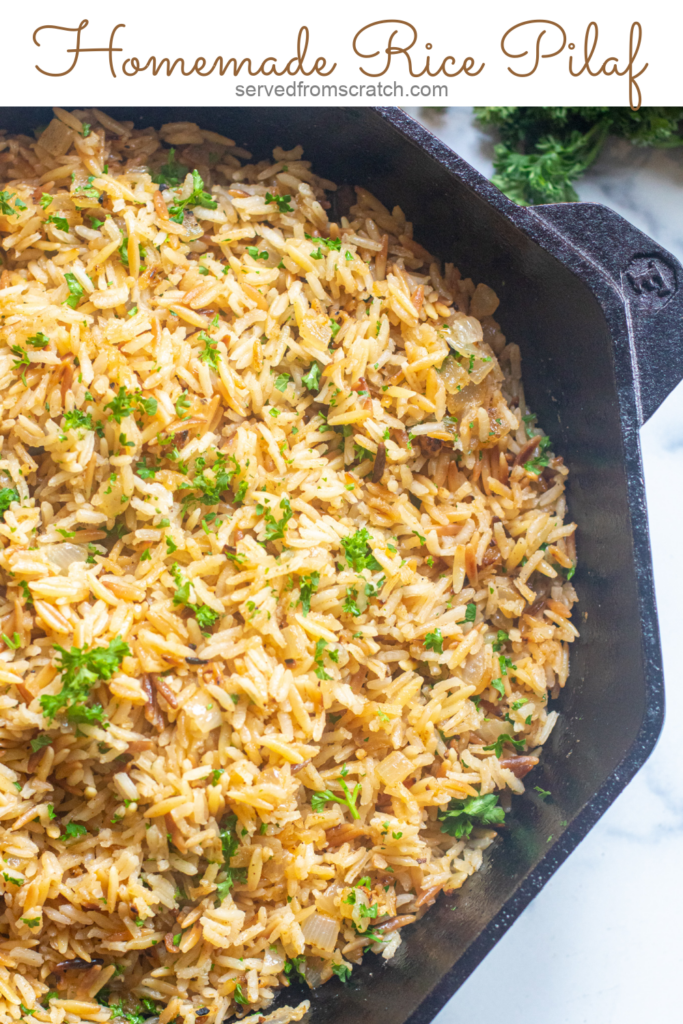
{"points": [[81, 668], [544, 150], [460, 816], [324, 796]]}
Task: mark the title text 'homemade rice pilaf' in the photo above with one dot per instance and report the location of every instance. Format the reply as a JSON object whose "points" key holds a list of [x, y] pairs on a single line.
{"points": [[285, 576]]}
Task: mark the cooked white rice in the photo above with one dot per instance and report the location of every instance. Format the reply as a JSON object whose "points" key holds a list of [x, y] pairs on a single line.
{"points": [[278, 474]]}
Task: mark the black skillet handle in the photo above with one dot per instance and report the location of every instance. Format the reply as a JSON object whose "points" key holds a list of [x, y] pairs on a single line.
{"points": [[630, 270]]}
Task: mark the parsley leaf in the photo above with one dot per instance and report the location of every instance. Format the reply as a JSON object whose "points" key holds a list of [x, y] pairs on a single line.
{"points": [[434, 641], [6, 209], [282, 381], [7, 496], [182, 404], [325, 796], [343, 971], [11, 878], [459, 818], [209, 353], [198, 197], [40, 741], [307, 586], [497, 747], [81, 668], [38, 340], [358, 552], [311, 379], [282, 202], [171, 173], [59, 222], [72, 830], [501, 638], [123, 251], [146, 472], [126, 402], [205, 616], [77, 419], [76, 290], [275, 528], [350, 606]]}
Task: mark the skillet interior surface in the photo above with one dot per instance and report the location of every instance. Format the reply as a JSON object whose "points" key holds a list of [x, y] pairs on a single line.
{"points": [[610, 711]]}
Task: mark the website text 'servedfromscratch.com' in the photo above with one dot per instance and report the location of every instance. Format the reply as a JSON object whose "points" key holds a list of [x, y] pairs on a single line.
{"points": [[311, 90]]}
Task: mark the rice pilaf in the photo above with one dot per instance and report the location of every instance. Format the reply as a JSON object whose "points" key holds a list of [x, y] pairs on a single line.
{"points": [[286, 576]]}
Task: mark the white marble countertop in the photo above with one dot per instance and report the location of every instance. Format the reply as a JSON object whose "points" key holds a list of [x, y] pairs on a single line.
{"points": [[602, 942]]}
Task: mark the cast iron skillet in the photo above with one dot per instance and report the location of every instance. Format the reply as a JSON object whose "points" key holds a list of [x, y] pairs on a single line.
{"points": [[596, 308]]}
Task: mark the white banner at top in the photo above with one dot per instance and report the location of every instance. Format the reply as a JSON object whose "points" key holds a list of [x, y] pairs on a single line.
{"points": [[345, 54]]}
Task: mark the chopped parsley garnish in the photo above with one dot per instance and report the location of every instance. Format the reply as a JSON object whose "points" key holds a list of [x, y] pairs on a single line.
{"points": [[324, 796], [146, 472], [7, 496], [45, 200], [182, 404], [498, 685], [358, 552], [497, 747], [77, 419], [459, 818], [350, 606], [81, 668], [22, 356], [543, 793], [88, 190], [126, 402], [6, 209], [123, 251], [307, 586], [171, 173], [229, 846], [311, 379], [59, 222], [38, 340], [182, 592], [536, 465], [239, 996], [501, 638], [470, 613], [210, 486], [40, 741], [198, 197], [205, 617], [11, 878], [434, 641], [72, 830], [275, 528], [75, 290], [320, 646], [209, 354], [255, 254], [343, 971], [282, 381], [282, 202]]}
